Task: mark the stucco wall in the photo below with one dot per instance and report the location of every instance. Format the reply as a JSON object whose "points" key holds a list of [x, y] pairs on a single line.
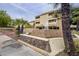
{"points": [[57, 45]]}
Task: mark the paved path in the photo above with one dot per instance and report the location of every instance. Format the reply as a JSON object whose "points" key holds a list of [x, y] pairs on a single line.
{"points": [[21, 51]]}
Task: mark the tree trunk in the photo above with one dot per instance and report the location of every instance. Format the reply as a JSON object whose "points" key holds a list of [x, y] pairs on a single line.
{"points": [[69, 45]]}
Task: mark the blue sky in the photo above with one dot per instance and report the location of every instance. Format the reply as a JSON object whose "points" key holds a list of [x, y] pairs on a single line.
{"points": [[27, 11]]}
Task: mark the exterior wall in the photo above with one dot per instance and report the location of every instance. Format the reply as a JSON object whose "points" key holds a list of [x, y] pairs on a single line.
{"points": [[45, 18], [37, 20], [59, 23]]}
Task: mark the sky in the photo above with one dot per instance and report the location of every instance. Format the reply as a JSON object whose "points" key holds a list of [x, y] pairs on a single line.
{"points": [[27, 11]]}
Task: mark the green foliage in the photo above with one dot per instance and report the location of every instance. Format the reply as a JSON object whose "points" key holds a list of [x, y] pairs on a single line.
{"points": [[75, 15], [21, 21], [27, 25], [5, 19]]}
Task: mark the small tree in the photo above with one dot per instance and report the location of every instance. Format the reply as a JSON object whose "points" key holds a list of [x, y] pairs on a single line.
{"points": [[5, 19], [18, 31]]}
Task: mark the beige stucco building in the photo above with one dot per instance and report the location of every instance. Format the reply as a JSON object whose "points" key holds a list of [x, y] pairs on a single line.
{"points": [[48, 24], [49, 20]]}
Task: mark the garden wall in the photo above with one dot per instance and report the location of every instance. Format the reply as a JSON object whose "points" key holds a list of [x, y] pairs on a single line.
{"points": [[4, 29], [46, 33], [37, 42], [52, 46]]}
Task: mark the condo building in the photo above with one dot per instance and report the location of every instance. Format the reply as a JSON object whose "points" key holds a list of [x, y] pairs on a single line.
{"points": [[48, 24], [48, 20]]}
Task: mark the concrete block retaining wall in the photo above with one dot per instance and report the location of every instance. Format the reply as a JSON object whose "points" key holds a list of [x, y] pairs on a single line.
{"points": [[46, 33], [7, 29], [53, 45], [37, 42]]}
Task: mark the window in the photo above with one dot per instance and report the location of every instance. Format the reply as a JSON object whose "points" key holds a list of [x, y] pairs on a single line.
{"points": [[50, 14], [50, 27], [40, 27], [37, 22], [53, 20], [56, 15], [37, 17], [53, 27]]}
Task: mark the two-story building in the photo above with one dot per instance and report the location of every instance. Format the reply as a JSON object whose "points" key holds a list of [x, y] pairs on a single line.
{"points": [[48, 20], [48, 24]]}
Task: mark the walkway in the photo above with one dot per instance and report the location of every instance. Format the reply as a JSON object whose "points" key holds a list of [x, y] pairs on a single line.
{"points": [[10, 49]]}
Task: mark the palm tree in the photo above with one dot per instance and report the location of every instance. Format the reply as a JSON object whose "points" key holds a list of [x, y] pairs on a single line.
{"points": [[69, 45], [65, 10]]}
